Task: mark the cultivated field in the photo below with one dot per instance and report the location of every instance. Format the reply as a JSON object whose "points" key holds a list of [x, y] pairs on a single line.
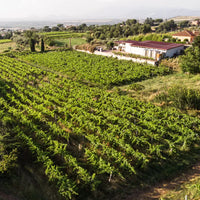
{"points": [[91, 142]]}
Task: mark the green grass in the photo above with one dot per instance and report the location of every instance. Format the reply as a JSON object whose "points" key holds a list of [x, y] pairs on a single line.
{"points": [[162, 83], [74, 41], [63, 34], [7, 46], [191, 189], [5, 41]]}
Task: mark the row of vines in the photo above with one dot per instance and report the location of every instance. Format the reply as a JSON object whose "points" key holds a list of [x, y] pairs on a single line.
{"points": [[95, 69], [85, 136]]}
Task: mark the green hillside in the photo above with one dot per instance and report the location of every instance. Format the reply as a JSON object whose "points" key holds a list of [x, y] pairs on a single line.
{"points": [[89, 142]]}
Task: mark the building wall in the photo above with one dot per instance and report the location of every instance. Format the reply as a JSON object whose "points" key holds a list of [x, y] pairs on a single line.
{"points": [[137, 50], [150, 52], [195, 23], [182, 38], [147, 52], [170, 53]]}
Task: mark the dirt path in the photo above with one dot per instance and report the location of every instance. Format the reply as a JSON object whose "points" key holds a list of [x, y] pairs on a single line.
{"points": [[155, 192]]}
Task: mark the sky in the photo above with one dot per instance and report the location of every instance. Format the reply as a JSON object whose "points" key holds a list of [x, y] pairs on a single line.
{"points": [[94, 9]]}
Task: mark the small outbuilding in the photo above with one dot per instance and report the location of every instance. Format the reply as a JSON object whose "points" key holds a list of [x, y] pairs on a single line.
{"points": [[152, 49]]}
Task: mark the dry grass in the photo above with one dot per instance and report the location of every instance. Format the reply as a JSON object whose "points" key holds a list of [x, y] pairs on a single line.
{"points": [[159, 84], [187, 183], [172, 63], [7, 46]]}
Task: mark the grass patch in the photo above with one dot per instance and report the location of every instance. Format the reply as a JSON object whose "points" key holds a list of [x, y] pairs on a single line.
{"points": [[156, 85], [7, 46], [74, 41], [189, 189], [5, 41]]}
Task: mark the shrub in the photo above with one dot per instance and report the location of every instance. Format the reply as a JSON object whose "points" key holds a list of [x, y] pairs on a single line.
{"points": [[190, 62], [180, 97], [136, 87], [86, 47]]}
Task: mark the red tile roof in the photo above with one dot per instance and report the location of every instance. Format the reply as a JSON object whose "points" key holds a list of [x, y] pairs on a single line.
{"points": [[185, 33], [153, 44]]}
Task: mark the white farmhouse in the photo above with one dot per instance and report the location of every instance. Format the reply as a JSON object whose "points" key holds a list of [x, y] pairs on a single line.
{"points": [[151, 49]]}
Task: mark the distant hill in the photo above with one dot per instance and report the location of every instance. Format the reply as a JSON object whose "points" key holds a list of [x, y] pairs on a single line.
{"points": [[183, 18]]}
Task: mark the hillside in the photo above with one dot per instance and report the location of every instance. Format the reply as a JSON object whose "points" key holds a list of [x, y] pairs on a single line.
{"points": [[90, 142], [183, 18]]}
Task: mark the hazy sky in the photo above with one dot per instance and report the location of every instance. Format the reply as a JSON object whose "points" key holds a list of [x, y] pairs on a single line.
{"points": [[82, 9]]}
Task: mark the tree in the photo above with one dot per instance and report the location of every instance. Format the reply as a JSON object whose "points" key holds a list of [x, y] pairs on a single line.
{"points": [[82, 27], [33, 39], [149, 21], [55, 28], [130, 22], [167, 26], [196, 42], [32, 44], [47, 29], [190, 62], [42, 45], [60, 25], [110, 44], [21, 41], [102, 36], [89, 38], [145, 28], [97, 34], [158, 21], [127, 31], [184, 24]]}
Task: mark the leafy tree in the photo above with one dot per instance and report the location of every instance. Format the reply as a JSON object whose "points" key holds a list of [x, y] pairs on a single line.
{"points": [[8, 35], [158, 21], [184, 24], [32, 45], [82, 27], [60, 25], [127, 31], [42, 45], [49, 41], [33, 39], [190, 62], [97, 34], [149, 21], [196, 42], [110, 44], [55, 28], [20, 40], [102, 36], [145, 28], [47, 29], [89, 38], [116, 34], [167, 26], [131, 22]]}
